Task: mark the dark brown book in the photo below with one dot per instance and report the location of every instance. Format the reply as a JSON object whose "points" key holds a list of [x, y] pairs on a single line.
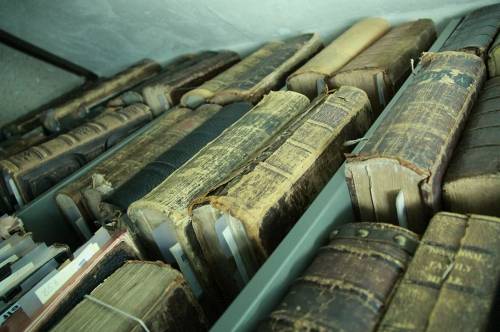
{"points": [[32, 172], [260, 72], [452, 281], [152, 292], [382, 68], [349, 284], [261, 204], [403, 162], [472, 180], [62, 117], [476, 31], [166, 89]]}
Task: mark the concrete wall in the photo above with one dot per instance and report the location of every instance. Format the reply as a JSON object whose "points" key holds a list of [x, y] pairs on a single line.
{"points": [[107, 35]]}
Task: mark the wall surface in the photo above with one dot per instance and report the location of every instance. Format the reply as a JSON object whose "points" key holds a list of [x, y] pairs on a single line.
{"points": [[107, 35], [27, 83]]}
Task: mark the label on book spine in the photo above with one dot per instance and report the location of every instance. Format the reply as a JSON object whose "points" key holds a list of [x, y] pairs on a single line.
{"points": [[45, 292]]}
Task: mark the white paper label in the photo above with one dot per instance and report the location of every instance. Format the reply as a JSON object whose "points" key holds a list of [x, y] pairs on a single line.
{"points": [[5, 248], [16, 277], [45, 292], [11, 259], [186, 269]]}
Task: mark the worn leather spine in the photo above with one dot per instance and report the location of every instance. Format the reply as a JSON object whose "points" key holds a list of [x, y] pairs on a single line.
{"points": [[494, 58], [37, 169], [452, 281], [75, 110], [472, 180], [382, 68], [150, 291], [168, 203], [152, 174], [166, 131], [410, 150], [336, 55], [476, 32], [273, 192], [349, 283], [166, 89], [260, 72]]}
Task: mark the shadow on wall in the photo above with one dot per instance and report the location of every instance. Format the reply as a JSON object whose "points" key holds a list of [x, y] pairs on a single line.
{"points": [[106, 36]]}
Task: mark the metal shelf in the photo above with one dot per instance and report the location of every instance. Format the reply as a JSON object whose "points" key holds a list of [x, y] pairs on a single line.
{"points": [[330, 209]]}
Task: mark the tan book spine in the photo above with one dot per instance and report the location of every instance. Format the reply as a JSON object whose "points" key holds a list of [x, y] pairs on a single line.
{"points": [[82, 198], [152, 292], [257, 74], [30, 173], [382, 68], [162, 215], [78, 107], [336, 55], [260, 206], [472, 180], [452, 281], [408, 153]]}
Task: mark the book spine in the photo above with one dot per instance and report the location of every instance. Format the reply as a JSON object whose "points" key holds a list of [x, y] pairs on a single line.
{"points": [[180, 82], [451, 282], [381, 69], [413, 143], [170, 160], [255, 75], [38, 168], [472, 180], [76, 109], [349, 283], [342, 50], [167, 205], [476, 32]]}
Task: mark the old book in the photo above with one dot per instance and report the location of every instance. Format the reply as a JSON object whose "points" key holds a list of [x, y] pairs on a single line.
{"points": [[476, 32], [18, 144], [382, 68], [150, 291], [452, 281], [494, 58], [55, 292], [336, 55], [73, 111], [257, 74], [104, 178], [161, 218], [166, 89], [472, 180], [258, 207], [32, 172], [55, 304], [168, 162], [349, 283], [405, 158]]}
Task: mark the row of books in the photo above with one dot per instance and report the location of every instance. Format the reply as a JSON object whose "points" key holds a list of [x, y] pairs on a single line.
{"points": [[47, 288], [382, 277], [213, 186]]}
